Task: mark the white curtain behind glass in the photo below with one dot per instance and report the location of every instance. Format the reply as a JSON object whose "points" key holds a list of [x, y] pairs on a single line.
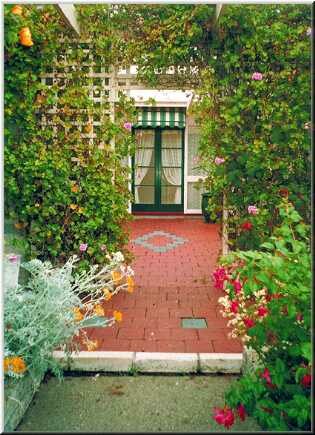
{"points": [[172, 157], [143, 157]]}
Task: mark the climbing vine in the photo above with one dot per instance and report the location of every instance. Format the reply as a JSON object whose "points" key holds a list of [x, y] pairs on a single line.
{"points": [[254, 109], [65, 182]]}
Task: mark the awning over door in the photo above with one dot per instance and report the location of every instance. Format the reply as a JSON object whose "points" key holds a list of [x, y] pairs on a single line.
{"points": [[161, 117]]}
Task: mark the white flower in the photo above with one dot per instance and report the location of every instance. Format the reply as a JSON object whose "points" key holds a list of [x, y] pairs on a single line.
{"points": [[118, 257]]}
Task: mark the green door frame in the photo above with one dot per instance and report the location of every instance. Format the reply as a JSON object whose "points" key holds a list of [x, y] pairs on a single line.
{"points": [[157, 206]]}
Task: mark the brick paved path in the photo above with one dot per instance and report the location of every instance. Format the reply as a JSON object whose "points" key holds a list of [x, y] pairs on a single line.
{"points": [[174, 259]]}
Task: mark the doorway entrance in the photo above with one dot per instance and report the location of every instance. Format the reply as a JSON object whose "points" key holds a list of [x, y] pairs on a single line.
{"points": [[158, 170]]}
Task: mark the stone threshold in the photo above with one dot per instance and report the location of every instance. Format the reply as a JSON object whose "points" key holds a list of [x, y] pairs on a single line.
{"points": [[151, 362]]}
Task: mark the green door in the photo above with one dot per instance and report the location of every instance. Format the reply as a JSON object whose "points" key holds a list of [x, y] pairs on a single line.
{"points": [[158, 170]]}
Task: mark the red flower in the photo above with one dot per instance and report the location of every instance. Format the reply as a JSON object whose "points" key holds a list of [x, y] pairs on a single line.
{"points": [[262, 311], [219, 276], [234, 306], [276, 296], [284, 192], [268, 410], [299, 317], [247, 226], [306, 381], [271, 296], [241, 411], [224, 416], [237, 286], [249, 323], [285, 310], [266, 375]]}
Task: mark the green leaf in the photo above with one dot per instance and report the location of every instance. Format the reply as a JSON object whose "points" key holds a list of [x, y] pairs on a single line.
{"points": [[96, 321], [306, 350], [267, 245]]}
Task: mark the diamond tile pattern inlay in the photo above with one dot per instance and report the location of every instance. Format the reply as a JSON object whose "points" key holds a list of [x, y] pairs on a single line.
{"points": [[175, 241]]}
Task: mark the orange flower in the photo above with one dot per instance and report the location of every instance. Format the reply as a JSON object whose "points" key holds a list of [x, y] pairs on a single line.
{"points": [[78, 316], [118, 316], [75, 188], [117, 276], [88, 128], [131, 284], [19, 225], [15, 364], [17, 10], [107, 294], [26, 37], [91, 345], [99, 310]]}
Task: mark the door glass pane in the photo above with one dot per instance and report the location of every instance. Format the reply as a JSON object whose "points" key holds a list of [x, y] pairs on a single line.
{"points": [[171, 138], [144, 176], [194, 196], [193, 145], [171, 176], [144, 194], [145, 138], [144, 157], [171, 194], [172, 157]]}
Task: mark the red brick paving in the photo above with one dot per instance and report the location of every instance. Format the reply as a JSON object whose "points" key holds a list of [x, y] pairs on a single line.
{"points": [[170, 285]]}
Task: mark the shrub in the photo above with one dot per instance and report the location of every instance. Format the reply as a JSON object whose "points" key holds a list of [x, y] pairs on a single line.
{"points": [[53, 310], [267, 303]]}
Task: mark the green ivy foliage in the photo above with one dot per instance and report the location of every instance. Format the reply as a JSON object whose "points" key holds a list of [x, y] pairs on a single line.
{"points": [[260, 127], [63, 187]]}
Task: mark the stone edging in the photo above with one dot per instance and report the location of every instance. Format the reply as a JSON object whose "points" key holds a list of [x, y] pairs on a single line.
{"points": [[152, 362]]}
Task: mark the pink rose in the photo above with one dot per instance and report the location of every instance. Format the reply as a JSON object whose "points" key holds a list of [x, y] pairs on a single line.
{"points": [[257, 76], [252, 209], [83, 247], [128, 126], [219, 160], [13, 258]]}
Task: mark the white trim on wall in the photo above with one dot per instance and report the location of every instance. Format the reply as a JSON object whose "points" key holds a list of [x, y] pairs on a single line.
{"points": [[186, 166]]}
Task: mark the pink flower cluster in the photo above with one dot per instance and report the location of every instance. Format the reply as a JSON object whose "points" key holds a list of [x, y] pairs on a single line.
{"points": [[219, 160], [219, 276], [225, 416], [83, 247], [266, 375], [257, 76], [252, 209], [128, 126]]}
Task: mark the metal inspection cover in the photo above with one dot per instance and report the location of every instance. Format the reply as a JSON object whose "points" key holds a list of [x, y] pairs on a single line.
{"points": [[194, 323]]}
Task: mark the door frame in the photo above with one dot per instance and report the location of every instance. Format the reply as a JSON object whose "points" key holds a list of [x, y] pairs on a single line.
{"points": [[157, 206]]}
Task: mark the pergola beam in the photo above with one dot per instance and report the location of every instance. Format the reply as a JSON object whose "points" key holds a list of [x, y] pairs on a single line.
{"points": [[69, 14]]}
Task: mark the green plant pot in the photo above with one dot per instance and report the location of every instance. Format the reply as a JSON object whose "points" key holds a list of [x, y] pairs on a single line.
{"points": [[204, 204]]}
